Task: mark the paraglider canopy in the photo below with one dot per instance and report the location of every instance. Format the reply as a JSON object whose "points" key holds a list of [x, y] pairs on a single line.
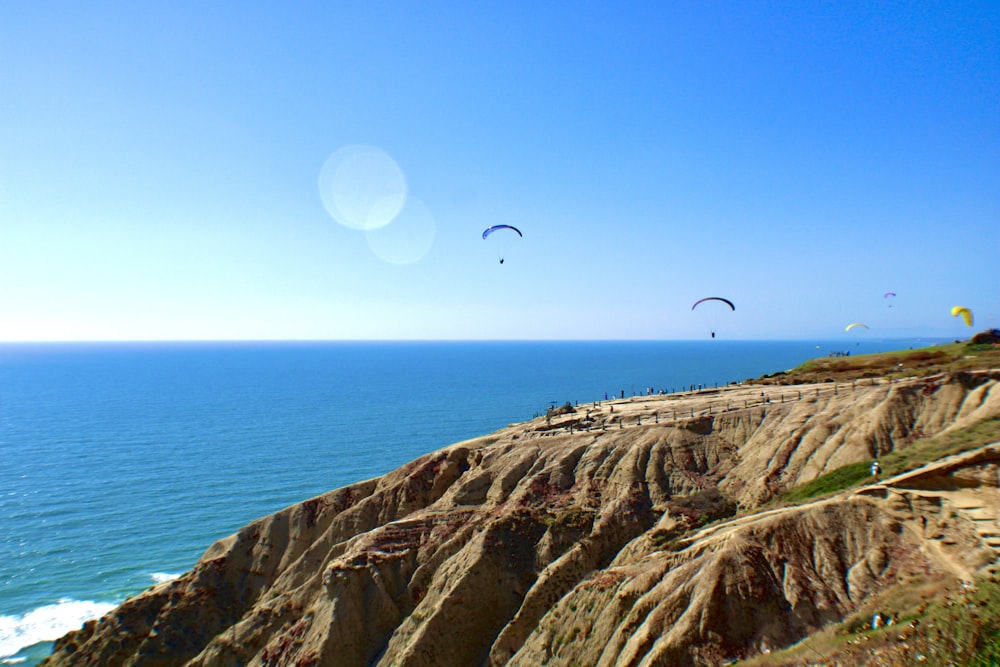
{"points": [[710, 316], [714, 298], [855, 324], [964, 312], [496, 228]]}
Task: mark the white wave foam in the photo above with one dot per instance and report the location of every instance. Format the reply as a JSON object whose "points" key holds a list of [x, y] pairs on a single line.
{"points": [[163, 577], [46, 623]]}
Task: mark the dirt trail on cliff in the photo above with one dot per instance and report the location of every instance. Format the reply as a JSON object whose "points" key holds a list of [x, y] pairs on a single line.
{"points": [[935, 487], [573, 539]]}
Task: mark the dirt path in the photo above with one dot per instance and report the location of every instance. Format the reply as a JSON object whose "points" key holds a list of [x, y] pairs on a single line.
{"points": [[682, 406], [925, 500]]}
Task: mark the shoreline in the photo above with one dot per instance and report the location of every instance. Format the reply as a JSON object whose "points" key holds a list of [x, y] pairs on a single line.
{"points": [[643, 407]]}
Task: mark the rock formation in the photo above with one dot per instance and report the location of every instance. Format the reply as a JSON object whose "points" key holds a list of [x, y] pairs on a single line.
{"points": [[634, 537]]}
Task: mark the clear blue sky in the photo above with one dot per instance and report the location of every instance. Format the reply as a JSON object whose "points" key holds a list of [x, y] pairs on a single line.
{"points": [[160, 168]]}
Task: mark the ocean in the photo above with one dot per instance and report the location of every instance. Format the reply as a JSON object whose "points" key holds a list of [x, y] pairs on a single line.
{"points": [[120, 463]]}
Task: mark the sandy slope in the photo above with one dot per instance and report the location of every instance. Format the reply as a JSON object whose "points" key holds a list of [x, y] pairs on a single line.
{"points": [[565, 540]]}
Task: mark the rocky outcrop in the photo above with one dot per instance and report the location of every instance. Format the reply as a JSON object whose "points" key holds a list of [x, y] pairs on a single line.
{"points": [[570, 540]]}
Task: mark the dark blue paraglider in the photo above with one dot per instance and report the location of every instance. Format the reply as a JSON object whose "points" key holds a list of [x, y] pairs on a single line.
{"points": [[714, 298], [496, 228], [711, 317]]}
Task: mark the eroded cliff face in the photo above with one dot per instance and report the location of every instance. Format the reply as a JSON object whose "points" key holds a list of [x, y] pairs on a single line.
{"points": [[568, 541]]}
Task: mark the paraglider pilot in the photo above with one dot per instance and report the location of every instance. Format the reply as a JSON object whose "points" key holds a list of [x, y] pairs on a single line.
{"points": [[495, 228]]}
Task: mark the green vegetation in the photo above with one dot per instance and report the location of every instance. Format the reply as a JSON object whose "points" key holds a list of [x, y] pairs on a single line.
{"points": [[926, 450], [980, 353], [956, 625], [911, 457], [964, 629], [934, 623], [842, 478]]}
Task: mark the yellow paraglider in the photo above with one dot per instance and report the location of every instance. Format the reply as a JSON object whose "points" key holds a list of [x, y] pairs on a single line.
{"points": [[855, 324], [964, 312]]}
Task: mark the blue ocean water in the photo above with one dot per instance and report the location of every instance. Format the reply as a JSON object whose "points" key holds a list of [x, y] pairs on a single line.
{"points": [[120, 463]]}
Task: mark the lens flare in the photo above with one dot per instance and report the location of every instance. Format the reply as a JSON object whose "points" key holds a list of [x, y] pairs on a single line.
{"points": [[362, 187], [407, 238]]}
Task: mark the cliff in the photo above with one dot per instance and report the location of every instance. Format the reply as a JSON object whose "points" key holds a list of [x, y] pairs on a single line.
{"points": [[647, 535]]}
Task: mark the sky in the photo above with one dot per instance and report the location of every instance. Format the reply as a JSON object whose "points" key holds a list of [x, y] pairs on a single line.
{"points": [[320, 170]]}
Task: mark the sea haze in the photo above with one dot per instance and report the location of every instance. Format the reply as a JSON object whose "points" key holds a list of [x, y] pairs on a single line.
{"points": [[122, 462]]}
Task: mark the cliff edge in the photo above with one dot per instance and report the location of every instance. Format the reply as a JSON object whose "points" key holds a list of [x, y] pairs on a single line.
{"points": [[645, 531]]}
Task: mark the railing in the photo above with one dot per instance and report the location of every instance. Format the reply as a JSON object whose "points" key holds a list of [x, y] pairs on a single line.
{"points": [[780, 396]]}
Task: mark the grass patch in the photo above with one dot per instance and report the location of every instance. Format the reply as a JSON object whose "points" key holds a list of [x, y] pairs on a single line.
{"points": [[911, 457], [964, 629], [903, 363], [929, 449], [842, 478], [961, 627]]}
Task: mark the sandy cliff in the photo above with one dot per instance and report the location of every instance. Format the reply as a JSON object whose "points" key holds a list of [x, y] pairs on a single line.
{"points": [[572, 540]]}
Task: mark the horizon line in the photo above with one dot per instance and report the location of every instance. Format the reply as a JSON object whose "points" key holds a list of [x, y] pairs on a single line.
{"points": [[457, 340]]}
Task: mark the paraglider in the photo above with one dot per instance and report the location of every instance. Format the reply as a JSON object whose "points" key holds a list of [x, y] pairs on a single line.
{"points": [[714, 298], [964, 312], [856, 325], [887, 295], [497, 228]]}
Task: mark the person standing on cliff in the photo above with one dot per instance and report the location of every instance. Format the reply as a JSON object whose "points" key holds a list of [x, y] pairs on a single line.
{"points": [[876, 470]]}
